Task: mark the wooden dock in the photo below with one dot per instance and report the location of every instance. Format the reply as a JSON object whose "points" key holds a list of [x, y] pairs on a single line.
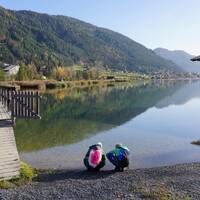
{"points": [[14, 104], [9, 157]]}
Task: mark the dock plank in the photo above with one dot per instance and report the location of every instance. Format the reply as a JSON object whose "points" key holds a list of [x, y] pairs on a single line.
{"points": [[9, 157]]}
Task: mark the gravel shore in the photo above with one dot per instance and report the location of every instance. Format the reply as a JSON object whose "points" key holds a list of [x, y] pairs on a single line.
{"points": [[172, 182]]}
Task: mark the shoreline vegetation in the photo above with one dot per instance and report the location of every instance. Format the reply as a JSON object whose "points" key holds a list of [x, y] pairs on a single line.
{"points": [[27, 173], [53, 84], [44, 85], [66, 77], [158, 183]]}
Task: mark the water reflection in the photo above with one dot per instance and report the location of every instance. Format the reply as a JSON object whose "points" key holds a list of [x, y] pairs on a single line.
{"points": [[69, 116], [137, 115]]}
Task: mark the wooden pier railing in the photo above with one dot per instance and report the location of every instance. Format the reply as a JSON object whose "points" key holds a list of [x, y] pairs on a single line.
{"points": [[14, 104], [20, 104], [25, 104]]}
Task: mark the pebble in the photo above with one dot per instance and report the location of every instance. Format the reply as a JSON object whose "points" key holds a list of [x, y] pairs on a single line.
{"points": [[183, 180]]}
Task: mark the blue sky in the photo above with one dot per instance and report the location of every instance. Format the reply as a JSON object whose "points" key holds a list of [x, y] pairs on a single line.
{"points": [[173, 24]]}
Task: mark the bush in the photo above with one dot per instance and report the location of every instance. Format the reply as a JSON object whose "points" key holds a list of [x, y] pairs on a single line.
{"points": [[26, 175], [26, 172], [5, 185]]}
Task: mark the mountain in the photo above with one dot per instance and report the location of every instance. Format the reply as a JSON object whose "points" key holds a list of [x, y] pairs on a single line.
{"points": [[58, 40], [180, 58], [181, 96]]}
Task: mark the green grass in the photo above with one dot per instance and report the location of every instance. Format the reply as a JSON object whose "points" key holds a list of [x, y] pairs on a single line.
{"points": [[26, 175], [6, 185], [26, 172]]}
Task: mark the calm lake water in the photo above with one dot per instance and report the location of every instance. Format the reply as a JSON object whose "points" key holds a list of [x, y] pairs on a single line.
{"points": [[157, 121]]}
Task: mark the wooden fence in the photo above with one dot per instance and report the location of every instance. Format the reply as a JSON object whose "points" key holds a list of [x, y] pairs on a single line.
{"points": [[14, 104], [20, 104]]}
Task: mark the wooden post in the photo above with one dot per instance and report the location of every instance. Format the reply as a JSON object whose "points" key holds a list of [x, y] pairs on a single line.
{"points": [[12, 107]]}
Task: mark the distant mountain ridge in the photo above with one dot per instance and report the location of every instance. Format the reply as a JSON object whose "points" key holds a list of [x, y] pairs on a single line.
{"points": [[180, 58], [47, 40]]}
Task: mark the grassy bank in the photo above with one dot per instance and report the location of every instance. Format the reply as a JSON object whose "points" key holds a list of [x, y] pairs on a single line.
{"points": [[62, 79], [53, 84], [26, 175]]}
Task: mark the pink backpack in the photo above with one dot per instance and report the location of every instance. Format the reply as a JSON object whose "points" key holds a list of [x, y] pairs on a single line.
{"points": [[95, 157]]}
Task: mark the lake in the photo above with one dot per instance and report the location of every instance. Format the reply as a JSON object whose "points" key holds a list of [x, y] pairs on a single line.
{"points": [[156, 120]]}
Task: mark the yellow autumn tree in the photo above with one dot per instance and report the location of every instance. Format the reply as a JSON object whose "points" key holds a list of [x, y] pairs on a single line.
{"points": [[69, 73], [59, 73]]}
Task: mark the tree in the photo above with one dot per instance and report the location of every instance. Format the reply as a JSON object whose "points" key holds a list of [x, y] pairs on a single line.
{"points": [[2, 75], [85, 75], [22, 74], [59, 73], [70, 74], [31, 72], [79, 74], [93, 74]]}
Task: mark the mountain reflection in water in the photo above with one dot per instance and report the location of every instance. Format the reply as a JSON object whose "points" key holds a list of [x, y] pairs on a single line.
{"points": [[75, 115]]}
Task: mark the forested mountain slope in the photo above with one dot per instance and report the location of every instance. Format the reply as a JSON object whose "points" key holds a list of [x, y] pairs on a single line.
{"points": [[58, 40]]}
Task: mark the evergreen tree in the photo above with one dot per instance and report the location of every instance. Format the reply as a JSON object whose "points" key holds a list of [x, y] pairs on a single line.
{"points": [[2, 75], [22, 74]]}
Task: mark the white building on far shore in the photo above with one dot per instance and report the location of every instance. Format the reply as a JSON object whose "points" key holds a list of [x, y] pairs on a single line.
{"points": [[11, 69]]}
